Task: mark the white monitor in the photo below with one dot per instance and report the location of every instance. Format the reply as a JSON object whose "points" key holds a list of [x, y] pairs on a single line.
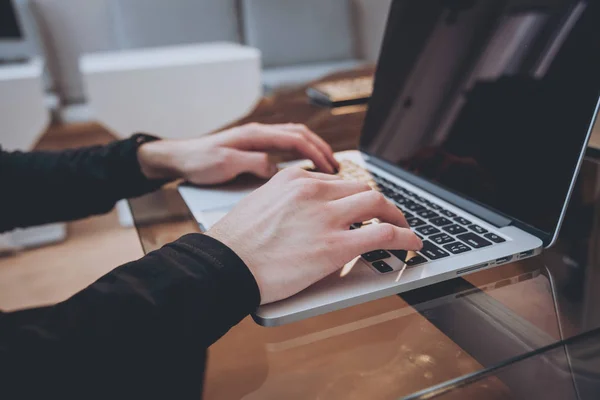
{"points": [[16, 32]]}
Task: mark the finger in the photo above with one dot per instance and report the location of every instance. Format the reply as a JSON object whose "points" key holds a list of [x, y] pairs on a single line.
{"points": [[324, 177], [265, 138], [316, 140], [256, 163], [297, 172], [303, 146], [381, 236], [341, 189], [368, 205]]}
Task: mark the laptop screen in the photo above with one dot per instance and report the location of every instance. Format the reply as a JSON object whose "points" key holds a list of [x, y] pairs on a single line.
{"points": [[491, 100]]}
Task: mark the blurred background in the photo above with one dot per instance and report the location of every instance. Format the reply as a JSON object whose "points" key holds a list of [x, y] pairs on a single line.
{"points": [[88, 49]]}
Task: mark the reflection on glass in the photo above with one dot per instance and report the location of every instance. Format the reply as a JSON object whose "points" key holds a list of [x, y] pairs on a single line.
{"points": [[563, 371]]}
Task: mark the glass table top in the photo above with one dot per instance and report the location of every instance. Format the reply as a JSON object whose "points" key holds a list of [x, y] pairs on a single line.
{"points": [[486, 335]]}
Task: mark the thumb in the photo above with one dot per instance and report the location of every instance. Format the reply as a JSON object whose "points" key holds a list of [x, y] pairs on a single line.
{"points": [[253, 162]]}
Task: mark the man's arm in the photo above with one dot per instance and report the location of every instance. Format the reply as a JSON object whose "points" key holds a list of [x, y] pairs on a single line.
{"points": [[141, 327], [42, 187], [141, 330], [48, 186]]}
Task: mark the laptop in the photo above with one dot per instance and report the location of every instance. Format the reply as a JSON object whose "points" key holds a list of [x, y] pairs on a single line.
{"points": [[477, 127]]}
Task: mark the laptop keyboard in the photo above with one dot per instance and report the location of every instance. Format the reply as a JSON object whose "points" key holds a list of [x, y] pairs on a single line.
{"points": [[443, 232]]}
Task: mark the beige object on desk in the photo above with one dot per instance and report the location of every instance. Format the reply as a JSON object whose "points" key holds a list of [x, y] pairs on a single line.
{"points": [[176, 92]]}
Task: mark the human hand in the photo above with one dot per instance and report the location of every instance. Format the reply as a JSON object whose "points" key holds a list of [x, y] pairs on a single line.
{"points": [[294, 230], [221, 157]]}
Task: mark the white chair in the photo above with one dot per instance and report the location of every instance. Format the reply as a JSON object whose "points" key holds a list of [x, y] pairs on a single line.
{"points": [[69, 28], [175, 92]]}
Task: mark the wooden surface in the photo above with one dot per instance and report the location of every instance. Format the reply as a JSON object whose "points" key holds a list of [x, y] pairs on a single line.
{"points": [[379, 350], [594, 143]]}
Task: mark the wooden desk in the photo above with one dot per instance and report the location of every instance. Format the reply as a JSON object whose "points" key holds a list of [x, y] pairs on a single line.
{"points": [[594, 144], [382, 349]]}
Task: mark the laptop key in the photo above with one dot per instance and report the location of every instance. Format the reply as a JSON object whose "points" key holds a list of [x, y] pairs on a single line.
{"points": [[376, 255], [440, 221], [435, 207], [416, 260], [398, 198], [428, 230], [494, 238], [442, 238], [457, 247], [414, 222], [399, 254], [478, 229], [382, 267], [462, 221], [454, 229], [433, 252], [428, 214], [407, 215], [415, 207], [447, 213], [474, 240]]}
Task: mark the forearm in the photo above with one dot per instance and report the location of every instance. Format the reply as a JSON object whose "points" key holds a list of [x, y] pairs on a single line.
{"points": [[43, 187], [144, 319]]}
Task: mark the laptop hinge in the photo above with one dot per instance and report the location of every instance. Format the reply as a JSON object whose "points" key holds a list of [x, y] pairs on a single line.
{"points": [[479, 211]]}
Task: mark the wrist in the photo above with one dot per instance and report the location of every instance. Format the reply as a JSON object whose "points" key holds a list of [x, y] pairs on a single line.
{"points": [[156, 160]]}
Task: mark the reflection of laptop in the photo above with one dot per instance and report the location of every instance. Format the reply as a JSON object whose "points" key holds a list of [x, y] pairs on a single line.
{"points": [[477, 127]]}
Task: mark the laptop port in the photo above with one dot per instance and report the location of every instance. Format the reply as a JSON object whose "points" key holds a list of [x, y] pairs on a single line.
{"points": [[504, 260], [471, 269], [526, 254]]}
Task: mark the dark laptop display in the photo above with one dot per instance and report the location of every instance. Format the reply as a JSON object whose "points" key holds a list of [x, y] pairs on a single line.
{"points": [[491, 100], [9, 26]]}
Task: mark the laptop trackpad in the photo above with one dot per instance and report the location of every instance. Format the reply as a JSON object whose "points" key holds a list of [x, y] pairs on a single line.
{"points": [[210, 203]]}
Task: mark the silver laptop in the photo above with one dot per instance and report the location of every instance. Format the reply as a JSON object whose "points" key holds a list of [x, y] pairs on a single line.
{"points": [[477, 128]]}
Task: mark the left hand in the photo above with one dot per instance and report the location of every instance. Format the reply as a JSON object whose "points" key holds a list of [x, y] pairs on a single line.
{"points": [[221, 157]]}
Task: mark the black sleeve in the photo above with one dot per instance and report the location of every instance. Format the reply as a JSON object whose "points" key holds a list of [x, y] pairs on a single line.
{"points": [[139, 331], [49, 186]]}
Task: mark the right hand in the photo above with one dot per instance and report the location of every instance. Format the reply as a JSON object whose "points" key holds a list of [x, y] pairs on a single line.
{"points": [[294, 230]]}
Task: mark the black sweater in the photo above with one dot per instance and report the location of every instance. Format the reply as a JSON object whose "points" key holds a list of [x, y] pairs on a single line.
{"points": [[140, 331]]}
